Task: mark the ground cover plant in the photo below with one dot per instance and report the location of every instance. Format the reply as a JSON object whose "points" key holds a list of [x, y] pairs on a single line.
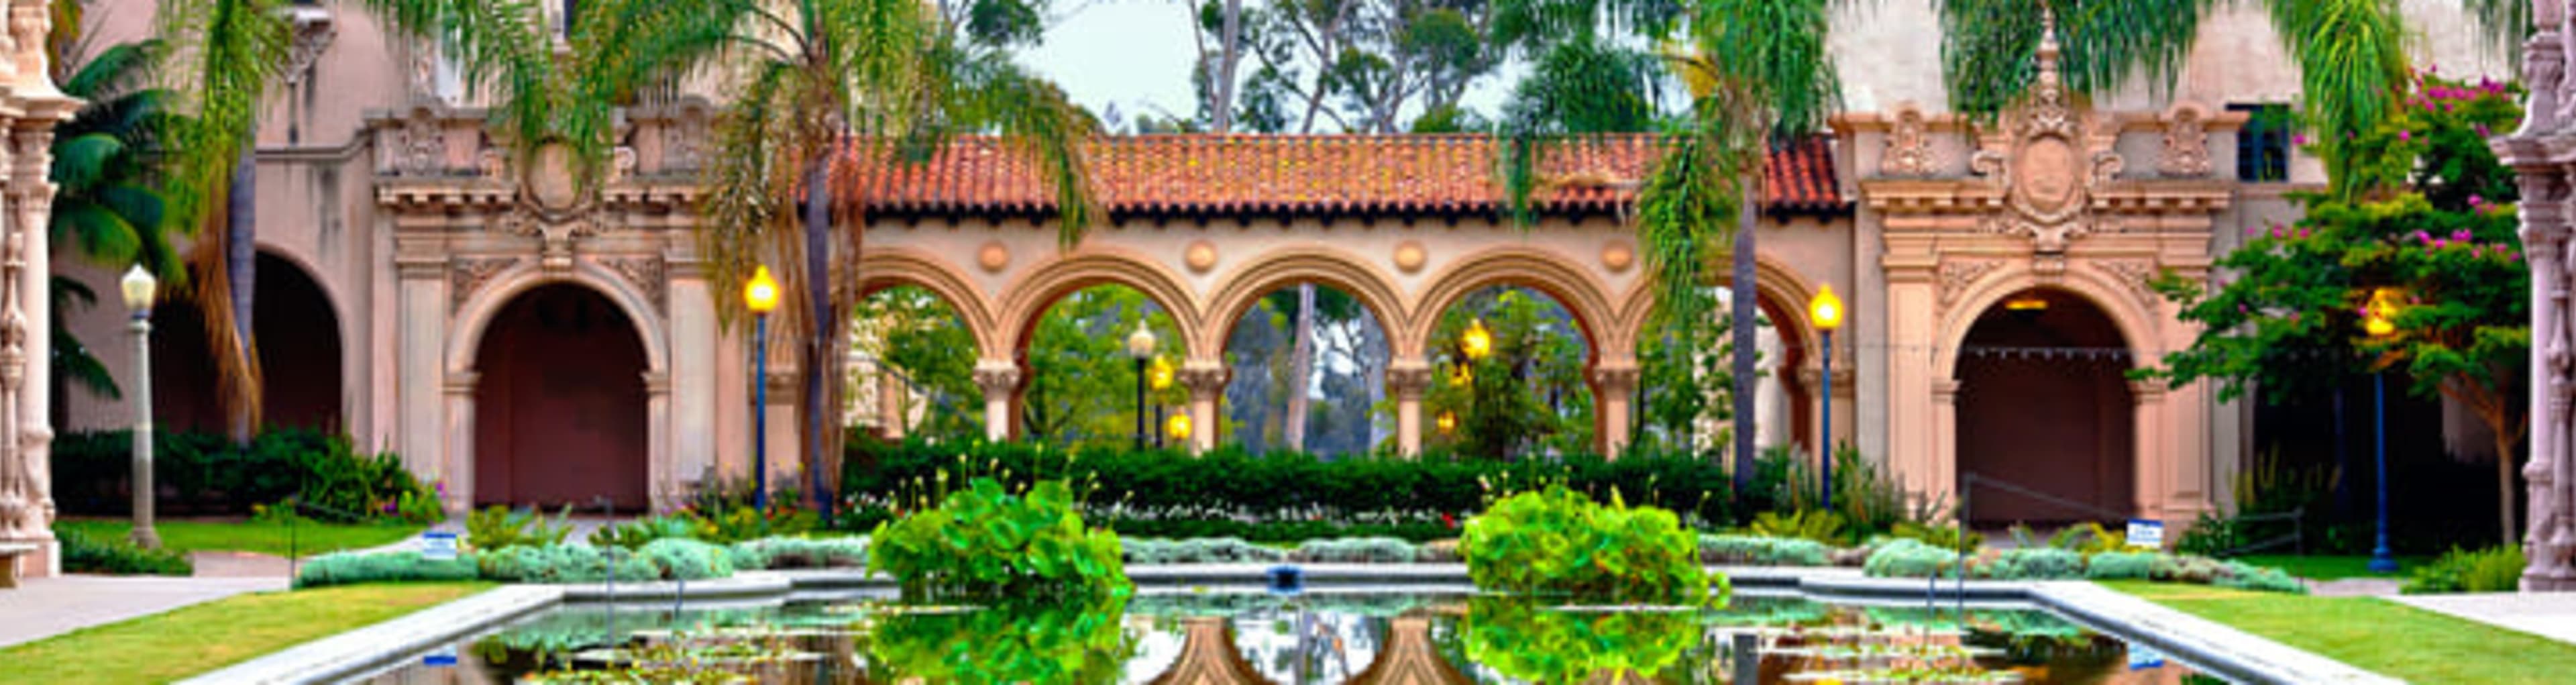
{"points": [[2494, 569], [986, 542], [1558, 542], [272, 536], [85, 551]]}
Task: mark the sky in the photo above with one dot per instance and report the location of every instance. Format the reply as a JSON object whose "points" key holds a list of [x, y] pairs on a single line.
{"points": [[1136, 54]]}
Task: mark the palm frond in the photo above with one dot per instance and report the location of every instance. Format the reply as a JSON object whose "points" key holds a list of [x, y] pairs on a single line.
{"points": [[73, 363], [502, 48], [2352, 64], [985, 91], [1989, 47]]}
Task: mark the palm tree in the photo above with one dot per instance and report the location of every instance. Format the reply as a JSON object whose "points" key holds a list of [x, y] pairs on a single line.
{"points": [[109, 207], [227, 53], [826, 86], [503, 50]]}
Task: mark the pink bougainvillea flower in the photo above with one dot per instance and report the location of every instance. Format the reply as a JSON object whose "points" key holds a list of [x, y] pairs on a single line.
{"points": [[2298, 139], [2476, 200], [2403, 135]]}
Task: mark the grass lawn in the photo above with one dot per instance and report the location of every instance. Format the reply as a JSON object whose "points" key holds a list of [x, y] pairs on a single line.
{"points": [[192, 640], [247, 536], [2374, 634], [2330, 567]]}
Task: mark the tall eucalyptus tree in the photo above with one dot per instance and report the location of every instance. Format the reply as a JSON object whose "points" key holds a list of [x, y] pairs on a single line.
{"points": [[826, 93]]}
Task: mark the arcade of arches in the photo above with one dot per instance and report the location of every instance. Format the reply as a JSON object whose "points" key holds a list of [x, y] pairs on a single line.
{"points": [[469, 304]]}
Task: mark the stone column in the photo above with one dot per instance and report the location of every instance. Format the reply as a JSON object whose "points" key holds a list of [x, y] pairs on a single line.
{"points": [[1206, 379], [661, 473], [1614, 385], [2550, 541], [1920, 429], [694, 393], [1407, 380], [1942, 478], [2154, 439], [420, 348], [1000, 381], [456, 466], [890, 400]]}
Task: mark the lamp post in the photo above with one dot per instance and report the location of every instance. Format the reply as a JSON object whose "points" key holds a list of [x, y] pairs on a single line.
{"points": [[1140, 345], [2377, 324], [761, 295], [1827, 311], [139, 288], [1159, 376]]}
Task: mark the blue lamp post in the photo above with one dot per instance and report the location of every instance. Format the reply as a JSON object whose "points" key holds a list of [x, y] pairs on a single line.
{"points": [[2377, 324], [1827, 311], [761, 295]]}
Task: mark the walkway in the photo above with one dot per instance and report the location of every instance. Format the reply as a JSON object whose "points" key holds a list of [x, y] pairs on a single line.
{"points": [[2547, 614], [45, 607]]}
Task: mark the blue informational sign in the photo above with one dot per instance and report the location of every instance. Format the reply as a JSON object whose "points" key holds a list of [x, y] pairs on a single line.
{"points": [[2142, 657], [438, 545], [2146, 533], [442, 657]]}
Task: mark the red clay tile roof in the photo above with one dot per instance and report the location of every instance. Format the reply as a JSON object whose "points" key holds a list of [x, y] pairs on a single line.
{"points": [[1312, 175]]}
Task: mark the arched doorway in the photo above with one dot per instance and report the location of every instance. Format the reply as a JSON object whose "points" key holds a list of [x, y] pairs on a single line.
{"points": [[298, 334], [1334, 399], [2044, 407], [559, 403]]}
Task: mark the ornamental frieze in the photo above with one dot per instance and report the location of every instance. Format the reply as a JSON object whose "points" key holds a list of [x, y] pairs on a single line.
{"points": [[465, 275], [647, 274], [2050, 163]]}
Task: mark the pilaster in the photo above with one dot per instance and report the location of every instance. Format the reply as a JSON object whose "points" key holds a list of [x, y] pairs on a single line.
{"points": [[1206, 379], [1000, 381], [1407, 380], [1614, 384]]}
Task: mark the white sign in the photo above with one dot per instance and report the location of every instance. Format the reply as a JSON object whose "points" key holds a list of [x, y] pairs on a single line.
{"points": [[2147, 534], [438, 546], [2142, 657], [441, 657]]}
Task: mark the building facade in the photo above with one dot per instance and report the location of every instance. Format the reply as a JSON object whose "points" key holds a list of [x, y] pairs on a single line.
{"points": [[522, 339]]}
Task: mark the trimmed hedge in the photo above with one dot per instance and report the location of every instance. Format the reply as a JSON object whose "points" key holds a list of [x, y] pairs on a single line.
{"points": [[1906, 558], [1757, 550], [667, 559], [198, 472], [85, 554], [1229, 483]]}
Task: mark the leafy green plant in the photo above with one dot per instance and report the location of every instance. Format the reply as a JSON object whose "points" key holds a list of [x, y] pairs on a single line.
{"points": [[1559, 542], [208, 474], [1534, 643], [85, 554], [497, 527], [2211, 535], [636, 534], [1762, 551], [1809, 524], [2494, 569], [1905, 558], [988, 543], [2120, 566], [2028, 563], [350, 568]]}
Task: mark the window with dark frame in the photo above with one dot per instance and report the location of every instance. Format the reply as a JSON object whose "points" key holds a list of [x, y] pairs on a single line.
{"points": [[2263, 146]]}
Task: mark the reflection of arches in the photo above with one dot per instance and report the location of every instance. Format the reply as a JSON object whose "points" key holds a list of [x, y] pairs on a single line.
{"points": [[1208, 657], [559, 402], [1410, 657], [1271, 271], [2041, 406], [1029, 298], [298, 331], [1581, 295], [888, 267]]}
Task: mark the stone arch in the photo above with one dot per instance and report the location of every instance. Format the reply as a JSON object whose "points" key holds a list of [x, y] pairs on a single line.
{"points": [[882, 268], [322, 282], [2101, 289], [1554, 274], [475, 315], [1029, 297], [184, 372], [561, 407], [1781, 293], [1237, 291]]}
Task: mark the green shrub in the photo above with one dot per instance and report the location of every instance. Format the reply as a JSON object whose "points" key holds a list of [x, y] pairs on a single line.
{"points": [[1355, 551], [2121, 566], [988, 543], [1820, 526], [85, 554], [207, 474], [742, 522], [2250, 577], [1559, 542], [2494, 569], [2188, 569], [1937, 535], [1905, 558], [2210, 535], [685, 559], [1289, 531], [1535, 643], [349, 568], [1761, 551], [560, 563], [2088, 539], [801, 553], [496, 528], [634, 535], [2029, 563]]}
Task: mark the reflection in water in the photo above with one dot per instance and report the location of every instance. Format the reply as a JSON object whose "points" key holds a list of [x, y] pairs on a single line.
{"points": [[1214, 638]]}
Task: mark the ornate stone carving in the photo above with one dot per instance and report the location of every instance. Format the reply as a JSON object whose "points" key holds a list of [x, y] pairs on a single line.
{"points": [[1957, 275], [313, 33], [1205, 379], [2186, 142], [492, 162], [1617, 379], [1909, 144], [685, 138], [2047, 162], [555, 234], [997, 379], [2137, 275], [621, 163], [416, 145], [649, 275], [1409, 256], [1408, 379], [465, 275]]}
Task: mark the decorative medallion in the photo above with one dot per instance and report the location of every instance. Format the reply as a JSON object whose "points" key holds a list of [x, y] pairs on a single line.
{"points": [[1909, 144], [647, 274], [1957, 275], [1200, 256], [465, 275], [684, 140], [2138, 275], [1618, 256], [550, 181], [2186, 148], [2048, 163], [1409, 256], [621, 163], [993, 256]]}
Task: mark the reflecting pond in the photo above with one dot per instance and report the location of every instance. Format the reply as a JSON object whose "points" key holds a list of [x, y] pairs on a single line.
{"points": [[1224, 637]]}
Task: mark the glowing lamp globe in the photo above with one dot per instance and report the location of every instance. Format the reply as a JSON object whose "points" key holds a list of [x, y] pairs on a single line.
{"points": [[139, 287], [1477, 342], [1140, 344], [761, 294], [1826, 309]]}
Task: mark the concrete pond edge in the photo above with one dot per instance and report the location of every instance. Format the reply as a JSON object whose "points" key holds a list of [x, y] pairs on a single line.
{"points": [[2206, 645]]}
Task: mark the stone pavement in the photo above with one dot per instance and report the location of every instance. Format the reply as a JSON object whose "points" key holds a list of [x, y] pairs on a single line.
{"points": [[2547, 614], [44, 607]]}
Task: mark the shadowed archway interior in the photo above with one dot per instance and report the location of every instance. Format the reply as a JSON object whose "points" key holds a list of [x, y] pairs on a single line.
{"points": [[298, 333], [2043, 406], [559, 405]]}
